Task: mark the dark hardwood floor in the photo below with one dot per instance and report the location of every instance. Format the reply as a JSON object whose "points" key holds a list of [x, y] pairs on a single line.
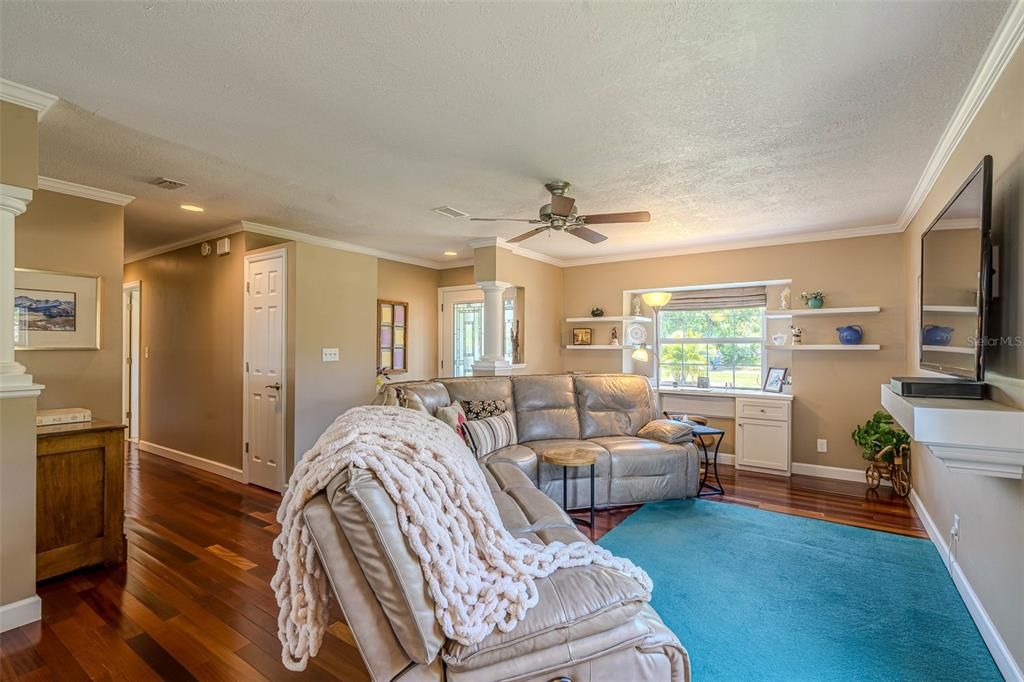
{"points": [[193, 600]]}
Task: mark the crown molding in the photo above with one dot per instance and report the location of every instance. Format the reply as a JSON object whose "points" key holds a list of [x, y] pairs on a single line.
{"points": [[1004, 43], [233, 228], [27, 97], [84, 191], [295, 236], [747, 243], [500, 243]]}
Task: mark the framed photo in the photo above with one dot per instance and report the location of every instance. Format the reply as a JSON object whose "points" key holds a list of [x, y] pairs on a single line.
{"points": [[56, 311], [582, 336], [775, 379]]}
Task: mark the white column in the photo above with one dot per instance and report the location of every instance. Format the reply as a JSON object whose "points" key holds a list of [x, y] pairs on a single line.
{"points": [[13, 202], [494, 325]]}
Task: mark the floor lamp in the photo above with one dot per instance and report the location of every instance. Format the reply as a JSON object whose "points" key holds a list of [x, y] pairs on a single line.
{"points": [[656, 300]]}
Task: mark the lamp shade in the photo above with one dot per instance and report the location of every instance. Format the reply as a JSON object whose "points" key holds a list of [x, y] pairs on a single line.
{"points": [[656, 299], [641, 354]]}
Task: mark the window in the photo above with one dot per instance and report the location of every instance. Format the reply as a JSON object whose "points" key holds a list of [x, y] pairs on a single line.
{"points": [[725, 345], [392, 326]]}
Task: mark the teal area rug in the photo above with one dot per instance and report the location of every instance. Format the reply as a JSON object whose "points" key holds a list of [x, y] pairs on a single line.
{"points": [[755, 595]]}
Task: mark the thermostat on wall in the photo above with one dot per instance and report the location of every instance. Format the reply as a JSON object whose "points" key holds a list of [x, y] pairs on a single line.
{"points": [[223, 246]]}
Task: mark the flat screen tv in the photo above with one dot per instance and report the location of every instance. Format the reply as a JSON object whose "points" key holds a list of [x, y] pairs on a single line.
{"points": [[956, 280]]}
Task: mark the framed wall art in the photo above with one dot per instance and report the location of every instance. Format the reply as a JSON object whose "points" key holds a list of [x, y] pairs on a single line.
{"points": [[56, 310]]}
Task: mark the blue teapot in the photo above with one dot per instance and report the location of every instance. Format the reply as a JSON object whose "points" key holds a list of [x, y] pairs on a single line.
{"points": [[934, 335], [850, 335]]}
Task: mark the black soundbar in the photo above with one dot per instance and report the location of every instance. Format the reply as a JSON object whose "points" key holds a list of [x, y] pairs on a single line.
{"points": [[928, 387]]}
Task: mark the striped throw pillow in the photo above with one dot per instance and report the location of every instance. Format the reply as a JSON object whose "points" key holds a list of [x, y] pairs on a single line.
{"points": [[484, 436]]}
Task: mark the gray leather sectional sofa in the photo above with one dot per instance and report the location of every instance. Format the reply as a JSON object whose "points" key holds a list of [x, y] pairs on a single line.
{"points": [[590, 623]]}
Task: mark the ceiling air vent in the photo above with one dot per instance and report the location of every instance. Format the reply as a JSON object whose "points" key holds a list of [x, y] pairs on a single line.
{"points": [[167, 183], [449, 211]]}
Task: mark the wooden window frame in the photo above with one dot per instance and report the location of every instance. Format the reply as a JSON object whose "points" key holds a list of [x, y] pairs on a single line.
{"points": [[391, 347]]}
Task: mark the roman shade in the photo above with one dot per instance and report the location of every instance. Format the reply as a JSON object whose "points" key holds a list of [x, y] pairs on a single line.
{"points": [[717, 299]]}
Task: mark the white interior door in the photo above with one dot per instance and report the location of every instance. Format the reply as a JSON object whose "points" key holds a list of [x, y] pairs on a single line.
{"points": [[462, 331], [265, 380], [132, 365]]}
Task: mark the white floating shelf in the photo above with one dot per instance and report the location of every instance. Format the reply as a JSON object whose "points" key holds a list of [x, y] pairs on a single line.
{"points": [[801, 312], [828, 346], [975, 436], [599, 347], [963, 350], [958, 309], [610, 318]]}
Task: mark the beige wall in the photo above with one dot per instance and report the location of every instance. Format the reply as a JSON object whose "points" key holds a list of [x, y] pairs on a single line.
{"points": [[335, 305], [416, 286], [17, 499], [19, 151], [454, 277], [540, 309], [18, 166], [70, 234], [991, 510], [192, 323], [834, 390]]}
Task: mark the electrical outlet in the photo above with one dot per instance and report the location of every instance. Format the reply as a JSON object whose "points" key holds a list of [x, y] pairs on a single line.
{"points": [[822, 445], [955, 530], [329, 354], [146, 353]]}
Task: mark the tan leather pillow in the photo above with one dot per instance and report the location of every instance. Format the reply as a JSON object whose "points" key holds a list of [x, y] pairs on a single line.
{"points": [[667, 431]]}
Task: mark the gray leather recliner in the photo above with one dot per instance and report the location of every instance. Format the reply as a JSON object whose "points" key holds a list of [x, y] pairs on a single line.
{"points": [[590, 624]]}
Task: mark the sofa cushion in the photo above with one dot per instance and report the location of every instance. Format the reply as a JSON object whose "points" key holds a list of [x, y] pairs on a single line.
{"points": [[641, 456], [667, 431], [426, 396], [480, 388], [645, 470], [370, 522], [545, 407], [613, 404], [573, 603], [491, 433]]}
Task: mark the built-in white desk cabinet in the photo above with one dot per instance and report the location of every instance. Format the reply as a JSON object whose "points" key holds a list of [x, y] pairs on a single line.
{"points": [[763, 422]]}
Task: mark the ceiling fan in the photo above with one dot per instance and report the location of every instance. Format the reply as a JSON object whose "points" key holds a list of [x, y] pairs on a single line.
{"points": [[561, 214]]}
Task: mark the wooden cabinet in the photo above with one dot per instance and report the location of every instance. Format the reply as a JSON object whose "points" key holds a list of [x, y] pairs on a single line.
{"points": [[79, 497], [763, 435]]}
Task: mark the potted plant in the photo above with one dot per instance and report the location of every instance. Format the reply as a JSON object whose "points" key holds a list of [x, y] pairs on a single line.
{"points": [[814, 299], [885, 445]]}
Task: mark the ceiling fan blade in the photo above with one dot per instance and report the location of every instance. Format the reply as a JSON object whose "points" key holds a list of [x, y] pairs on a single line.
{"points": [[526, 235], [587, 234], [509, 220], [604, 218], [562, 205]]}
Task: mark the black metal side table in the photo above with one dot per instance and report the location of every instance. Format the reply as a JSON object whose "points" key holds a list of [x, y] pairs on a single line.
{"points": [[701, 431]]}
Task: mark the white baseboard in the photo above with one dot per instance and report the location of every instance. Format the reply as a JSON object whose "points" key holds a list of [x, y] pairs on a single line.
{"points": [[21, 612], [996, 646], [234, 473], [838, 473]]}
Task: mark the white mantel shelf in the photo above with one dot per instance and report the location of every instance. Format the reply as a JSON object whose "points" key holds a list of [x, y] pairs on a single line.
{"points": [[802, 312], [610, 318], [598, 347], [827, 346], [977, 436]]}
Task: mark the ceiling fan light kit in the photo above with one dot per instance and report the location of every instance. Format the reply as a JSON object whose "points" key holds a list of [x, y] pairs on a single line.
{"points": [[561, 214]]}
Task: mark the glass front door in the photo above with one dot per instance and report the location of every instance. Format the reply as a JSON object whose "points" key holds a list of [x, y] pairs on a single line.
{"points": [[468, 336]]}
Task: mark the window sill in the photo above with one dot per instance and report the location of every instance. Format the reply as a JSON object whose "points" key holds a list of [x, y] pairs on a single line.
{"points": [[724, 393]]}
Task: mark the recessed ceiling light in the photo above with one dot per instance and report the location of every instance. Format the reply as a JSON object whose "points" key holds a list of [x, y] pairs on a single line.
{"points": [[451, 253], [192, 207], [450, 212]]}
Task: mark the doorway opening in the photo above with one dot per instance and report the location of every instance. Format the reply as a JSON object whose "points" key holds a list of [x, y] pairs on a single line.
{"points": [[131, 349]]}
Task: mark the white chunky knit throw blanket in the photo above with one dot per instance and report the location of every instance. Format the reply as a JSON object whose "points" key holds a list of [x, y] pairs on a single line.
{"points": [[479, 576]]}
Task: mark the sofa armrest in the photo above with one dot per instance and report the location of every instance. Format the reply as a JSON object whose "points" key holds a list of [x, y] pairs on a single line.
{"points": [[575, 604]]}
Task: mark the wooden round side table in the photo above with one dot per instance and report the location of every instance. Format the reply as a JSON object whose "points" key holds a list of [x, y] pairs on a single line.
{"points": [[573, 457]]}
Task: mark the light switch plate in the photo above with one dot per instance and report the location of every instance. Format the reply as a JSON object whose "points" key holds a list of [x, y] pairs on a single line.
{"points": [[329, 354]]}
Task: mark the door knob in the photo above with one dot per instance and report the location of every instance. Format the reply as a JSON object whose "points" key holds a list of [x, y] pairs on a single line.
{"points": [[276, 387]]}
